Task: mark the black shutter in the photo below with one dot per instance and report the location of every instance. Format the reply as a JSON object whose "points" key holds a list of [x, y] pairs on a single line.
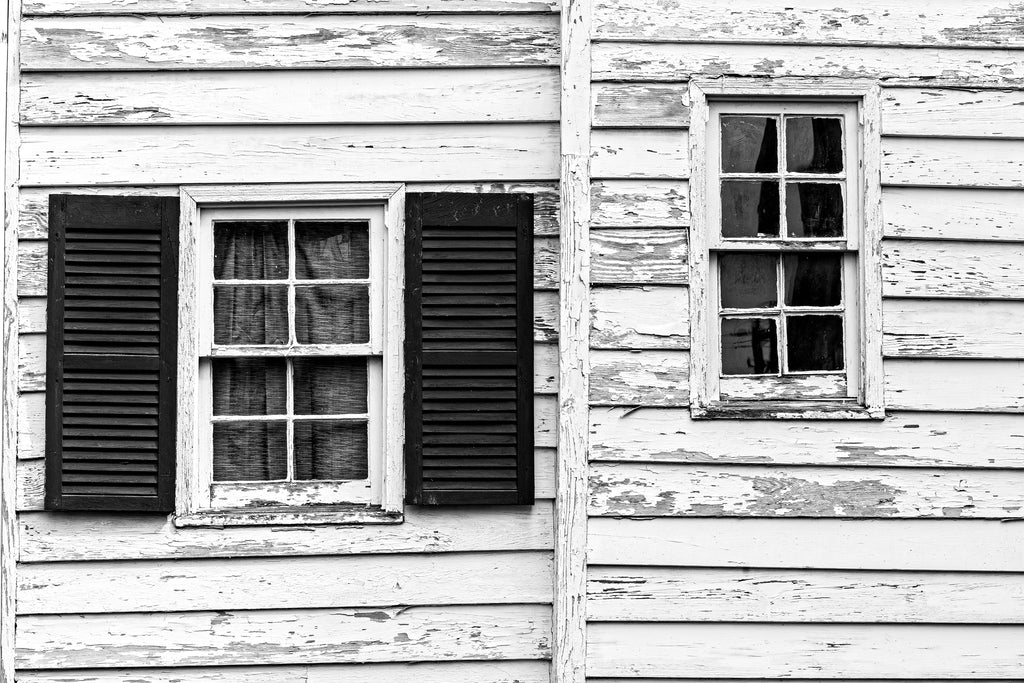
{"points": [[469, 349], [111, 353]]}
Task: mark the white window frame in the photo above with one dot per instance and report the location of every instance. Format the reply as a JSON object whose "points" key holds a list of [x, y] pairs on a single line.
{"points": [[199, 500], [858, 394]]}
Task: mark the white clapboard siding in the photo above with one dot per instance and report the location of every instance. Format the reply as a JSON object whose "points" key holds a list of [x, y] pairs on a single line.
{"points": [[545, 316], [628, 153], [521, 671], [285, 583], [293, 42], [640, 105], [965, 270], [955, 385], [819, 22], [31, 314], [929, 328], [953, 113], [664, 490], [638, 256], [647, 378], [910, 544], [813, 651], [640, 318], [639, 204], [953, 213], [797, 595], [953, 162], [675, 62], [901, 440], [31, 424], [232, 97], [263, 154], [117, 7], [52, 538], [381, 634]]}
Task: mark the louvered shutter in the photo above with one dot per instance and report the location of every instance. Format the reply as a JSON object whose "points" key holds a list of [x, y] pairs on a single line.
{"points": [[111, 349], [469, 349]]}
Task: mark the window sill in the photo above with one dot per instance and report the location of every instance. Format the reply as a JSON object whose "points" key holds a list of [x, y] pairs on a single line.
{"points": [[784, 410], [299, 516]]}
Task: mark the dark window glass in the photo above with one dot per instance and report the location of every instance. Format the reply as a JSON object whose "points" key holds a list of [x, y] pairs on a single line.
{"points": [[331, 250], [749, 346], [330, 449], [250, 451], [813, 279], [250, 314], [814, 145], [748, 280], [749, 144], [330, 386], [332, 314], [814, 210], [750, 209], [249, 386], [814, 342], [250, 250]]}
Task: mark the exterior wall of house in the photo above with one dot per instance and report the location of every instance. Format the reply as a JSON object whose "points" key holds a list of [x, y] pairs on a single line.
{"points": [[813, 549], [454, 95]]}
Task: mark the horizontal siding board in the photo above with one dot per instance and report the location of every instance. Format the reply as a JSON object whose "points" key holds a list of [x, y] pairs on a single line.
{"points": [[869, 22], [638, 256], [309, 97], [953, 214], [258, 154], [31, 424], [294, 42], [818, 651], [639, 204], [640, 105], [966, 270], [928, 328], [639, 318], [119, 7], [382, 634], [798, 595], [953, 113], [613, 61], [964, 440], [648, 378], [664, 490], [951, 162], [955, 385], [890, 544], [545, 316], [626, 153]]}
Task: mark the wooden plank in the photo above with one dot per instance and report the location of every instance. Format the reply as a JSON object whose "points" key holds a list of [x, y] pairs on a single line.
{"points": [[815, 651], [625, 153], [963, 270], [545, 316], [385, 634], [640, 204], [31, 424], [639, 318], [32, 362], [926, 328], [640, 105], [953, 214], [422, 672], [819, 22], [638, 256], [32, 314], [217, 97], [905, 544], [929, 66], [545, 369], [165, 7], [901, 440], [258, 154], [953, 162], [797, 595], [286, 583], [295, 42], [639, 378], [955, 385], [952, 113], [672, 490], [545, 263]]}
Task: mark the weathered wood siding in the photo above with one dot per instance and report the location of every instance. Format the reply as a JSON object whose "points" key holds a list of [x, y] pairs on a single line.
{"points": [[139, 98], [813, 550]]}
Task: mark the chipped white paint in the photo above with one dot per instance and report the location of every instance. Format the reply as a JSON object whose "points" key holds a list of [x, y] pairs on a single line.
{"points": [[953, 214], [622, 153], [120, 7], [640, 204], [648, 378], [953, 162], [639, 318], [953, 113], [640, 105], [932, 328], [639, 256], [995, 386], [965, 270]]}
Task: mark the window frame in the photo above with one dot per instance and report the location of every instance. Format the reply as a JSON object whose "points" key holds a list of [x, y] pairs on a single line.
{"points": [[200, 501], [861, 265]]}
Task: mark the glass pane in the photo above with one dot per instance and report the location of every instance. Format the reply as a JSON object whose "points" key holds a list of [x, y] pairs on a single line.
{"points": [[814, 342], [329, 449], [814, 210], [750, 209], [330, 386], [749, 346], [250, 451], [749, 144], [325, 250], [250, 314], [813, 279], [814, 145], [748, 280], [249, 386], [250, 250], [332, 314]]}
